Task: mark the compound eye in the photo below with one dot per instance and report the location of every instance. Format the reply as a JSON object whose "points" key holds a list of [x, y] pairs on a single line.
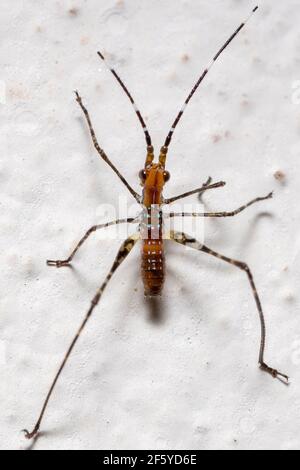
{"points": [[166, 176], [142, 175]]}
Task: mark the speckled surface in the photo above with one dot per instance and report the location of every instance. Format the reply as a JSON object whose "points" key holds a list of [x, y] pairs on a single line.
{"points": [[189, 378]]}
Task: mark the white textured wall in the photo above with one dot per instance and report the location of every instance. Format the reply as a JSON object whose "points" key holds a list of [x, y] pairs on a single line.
{"points": [[189, 380]]}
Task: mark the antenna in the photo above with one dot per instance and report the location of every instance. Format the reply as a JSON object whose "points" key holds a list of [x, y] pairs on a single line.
{"points": [[146, 132], [164, 149]]}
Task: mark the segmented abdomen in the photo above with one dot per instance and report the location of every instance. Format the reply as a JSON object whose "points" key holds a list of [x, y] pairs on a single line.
{"points": [[153, 262], [153, 266]]}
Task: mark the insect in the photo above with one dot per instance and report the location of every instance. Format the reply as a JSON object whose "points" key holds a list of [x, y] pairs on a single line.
{"points": [[153, 178]]}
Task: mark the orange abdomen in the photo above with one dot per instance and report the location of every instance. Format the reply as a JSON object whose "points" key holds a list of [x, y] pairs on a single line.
{"points": [[153, 261], [153, 266]]}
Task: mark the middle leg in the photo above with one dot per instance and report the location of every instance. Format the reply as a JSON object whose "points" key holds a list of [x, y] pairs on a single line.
{"points": [[67, 261], [220, 214]]}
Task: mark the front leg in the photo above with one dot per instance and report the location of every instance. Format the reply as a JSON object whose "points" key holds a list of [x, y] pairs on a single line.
{"points": [[189, 241], [67, 261], [101, 151], [201, 190]]}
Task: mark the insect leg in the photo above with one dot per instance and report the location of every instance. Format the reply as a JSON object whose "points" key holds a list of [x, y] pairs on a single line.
{"points": [[67, 262], [203, 188], [219, 214], [101, 151], [208, 182], [122, 254], [189, 241]]}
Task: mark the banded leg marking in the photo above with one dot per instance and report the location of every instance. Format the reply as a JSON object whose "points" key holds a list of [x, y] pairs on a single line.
{"points": [[189, 241], [122, 254]]}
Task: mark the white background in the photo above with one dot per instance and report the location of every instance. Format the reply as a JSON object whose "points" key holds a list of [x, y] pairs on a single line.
{"points": [[185, 376]]}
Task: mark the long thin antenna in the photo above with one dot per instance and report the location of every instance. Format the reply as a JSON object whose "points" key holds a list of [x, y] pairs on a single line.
{"points": [[170, 134], [147, 135]]}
